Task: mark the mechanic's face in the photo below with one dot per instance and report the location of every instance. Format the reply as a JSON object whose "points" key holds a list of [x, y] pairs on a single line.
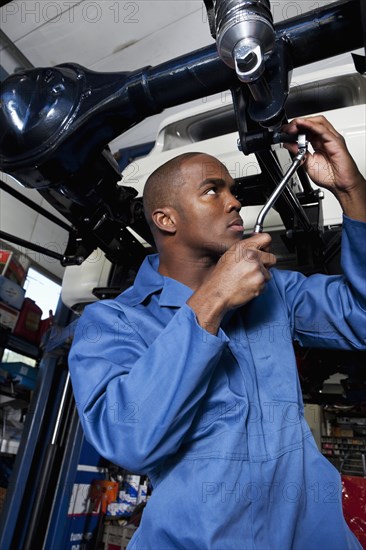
{"points": [[209, 220]]}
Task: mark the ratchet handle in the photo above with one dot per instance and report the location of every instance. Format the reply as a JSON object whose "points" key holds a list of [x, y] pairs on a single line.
{"points": [[302, 143]]}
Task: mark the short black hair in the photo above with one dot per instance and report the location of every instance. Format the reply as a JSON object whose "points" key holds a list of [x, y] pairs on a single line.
{"points": [[162, 185]]}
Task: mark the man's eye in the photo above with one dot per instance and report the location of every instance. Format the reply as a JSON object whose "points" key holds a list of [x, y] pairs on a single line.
{"points": [[211, 191]]}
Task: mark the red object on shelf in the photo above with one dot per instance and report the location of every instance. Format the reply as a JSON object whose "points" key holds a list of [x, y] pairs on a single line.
{"points": [[354, 505], [29, 321]]}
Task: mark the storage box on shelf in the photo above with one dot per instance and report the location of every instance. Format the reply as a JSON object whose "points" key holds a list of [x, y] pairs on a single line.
{"points": [[28, 324], [8, 317], [18, 314], [14, 266], [117, 537], [22, 375], [11, 293]]}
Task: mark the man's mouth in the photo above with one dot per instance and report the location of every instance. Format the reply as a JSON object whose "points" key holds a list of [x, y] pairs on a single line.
{"points": [[237, 225]]}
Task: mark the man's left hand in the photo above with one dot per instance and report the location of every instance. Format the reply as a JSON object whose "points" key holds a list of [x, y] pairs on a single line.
{"points": [[330, 165]]}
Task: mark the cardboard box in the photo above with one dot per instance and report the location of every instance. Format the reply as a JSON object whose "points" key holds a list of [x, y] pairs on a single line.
{"points": [[342, 432], [117, 537], [8, 317], [11, 293], [14, 266]]}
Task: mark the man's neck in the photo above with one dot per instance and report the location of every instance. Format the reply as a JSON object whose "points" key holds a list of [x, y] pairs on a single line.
{"points": [[190, 271]]}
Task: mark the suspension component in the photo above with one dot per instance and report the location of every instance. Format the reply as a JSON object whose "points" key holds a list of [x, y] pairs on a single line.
{"points": [[244, 35]]}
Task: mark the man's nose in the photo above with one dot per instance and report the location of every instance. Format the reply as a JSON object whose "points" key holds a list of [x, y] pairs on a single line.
{"points": [[233, 203]]}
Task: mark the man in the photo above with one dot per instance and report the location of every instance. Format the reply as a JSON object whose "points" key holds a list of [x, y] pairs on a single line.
{"points": [[190, 375]]}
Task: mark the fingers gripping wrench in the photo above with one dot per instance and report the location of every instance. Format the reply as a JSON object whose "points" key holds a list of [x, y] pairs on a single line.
{"points": [[303, 147]]}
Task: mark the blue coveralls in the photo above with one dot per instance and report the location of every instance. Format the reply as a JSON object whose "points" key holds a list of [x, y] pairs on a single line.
{"points": [[217, 421]]}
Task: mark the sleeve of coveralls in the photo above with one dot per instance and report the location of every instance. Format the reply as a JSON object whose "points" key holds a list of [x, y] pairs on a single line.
{"points": [[330, 311], [136, 402]]}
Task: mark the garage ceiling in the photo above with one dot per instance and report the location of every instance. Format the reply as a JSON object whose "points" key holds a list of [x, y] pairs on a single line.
{"points": [[103, 35]]}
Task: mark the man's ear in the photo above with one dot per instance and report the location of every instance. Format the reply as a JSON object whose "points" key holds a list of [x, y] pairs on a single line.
{"points": [[165, 219]]}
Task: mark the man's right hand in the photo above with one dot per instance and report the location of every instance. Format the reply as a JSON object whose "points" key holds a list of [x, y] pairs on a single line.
{"points": [[239, 276]]}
